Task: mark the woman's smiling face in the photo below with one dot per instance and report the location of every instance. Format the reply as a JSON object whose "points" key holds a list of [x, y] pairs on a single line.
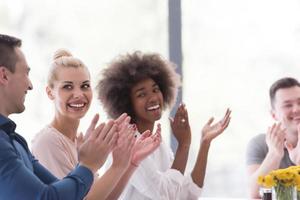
{"points": [[147, 101], [71, 92]]}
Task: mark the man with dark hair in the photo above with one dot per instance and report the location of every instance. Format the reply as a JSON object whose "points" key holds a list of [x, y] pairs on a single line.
{"points": [[21, 176], [279, 147], [8, 57]]}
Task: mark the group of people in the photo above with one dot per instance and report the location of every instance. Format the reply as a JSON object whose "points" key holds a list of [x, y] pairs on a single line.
{"points": [[134, 90]]}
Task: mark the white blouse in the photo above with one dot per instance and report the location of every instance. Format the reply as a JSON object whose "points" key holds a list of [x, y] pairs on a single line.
{"points": [[154, 179]]}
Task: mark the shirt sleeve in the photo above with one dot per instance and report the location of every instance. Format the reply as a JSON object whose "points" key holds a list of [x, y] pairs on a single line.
{"points": [[18, 182], [256, 150], [51, 154], [170, 184]]}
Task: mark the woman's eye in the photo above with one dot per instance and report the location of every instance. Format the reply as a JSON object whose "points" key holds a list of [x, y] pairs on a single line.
{"points": [[85, 86], [156, 89], [68, 87], [141, 95]]}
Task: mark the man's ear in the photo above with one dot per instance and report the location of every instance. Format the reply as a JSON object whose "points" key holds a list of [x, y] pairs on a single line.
{"points": [[49, 93], [3, 75], [273, 114]]}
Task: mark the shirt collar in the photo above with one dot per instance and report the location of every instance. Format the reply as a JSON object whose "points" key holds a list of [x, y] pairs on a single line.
{"points": [[7, 125]]}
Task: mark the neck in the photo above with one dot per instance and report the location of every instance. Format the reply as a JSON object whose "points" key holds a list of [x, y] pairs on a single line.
{"points": [[144, 126], [4, 105], [291, 137], [4, 113], [66, 126]]}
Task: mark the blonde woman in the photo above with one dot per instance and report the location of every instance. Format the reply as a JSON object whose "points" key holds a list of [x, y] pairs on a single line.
{"points": [[69, 87]]}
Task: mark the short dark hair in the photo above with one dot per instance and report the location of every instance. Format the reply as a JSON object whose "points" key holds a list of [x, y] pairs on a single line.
{"points": [[8, 57], [282, 83], [126, 71]]}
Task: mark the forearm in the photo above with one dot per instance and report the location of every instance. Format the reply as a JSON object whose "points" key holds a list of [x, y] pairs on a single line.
{"points": [[103, 186], [115, 194], [181, 158], [271, 162], [198, 173]]}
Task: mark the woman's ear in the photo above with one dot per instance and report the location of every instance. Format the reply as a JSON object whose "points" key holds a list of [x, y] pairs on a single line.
{"points": [[49, 93]]}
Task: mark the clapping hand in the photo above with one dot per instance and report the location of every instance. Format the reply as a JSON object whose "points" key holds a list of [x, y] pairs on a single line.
{"points": [[294, 151], [98, 143], [180, 126], [210, 131], [123, 151], [145, 145]]}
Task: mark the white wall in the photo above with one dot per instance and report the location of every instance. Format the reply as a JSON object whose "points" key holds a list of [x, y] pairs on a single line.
{"points": [[233, 51]]}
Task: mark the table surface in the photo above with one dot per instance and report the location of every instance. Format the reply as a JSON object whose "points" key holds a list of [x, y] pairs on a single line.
{"points": [[220, 198]]}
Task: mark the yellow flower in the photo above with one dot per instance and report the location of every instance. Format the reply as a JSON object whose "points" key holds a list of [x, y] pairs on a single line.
{"points": [[266, 181], [288, 177], [260, 180], [269, 181]]}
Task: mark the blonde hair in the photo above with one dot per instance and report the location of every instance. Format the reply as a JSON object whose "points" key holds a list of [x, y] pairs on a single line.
{"points": [[62, 58]]}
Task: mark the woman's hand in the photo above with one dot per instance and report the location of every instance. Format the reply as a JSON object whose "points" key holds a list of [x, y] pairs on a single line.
{"points": [[123, 151], [181, 127], [145, 145], [211, 131]]}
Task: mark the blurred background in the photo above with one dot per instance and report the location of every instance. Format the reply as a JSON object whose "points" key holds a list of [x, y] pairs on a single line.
{"points": [[232, 52]]}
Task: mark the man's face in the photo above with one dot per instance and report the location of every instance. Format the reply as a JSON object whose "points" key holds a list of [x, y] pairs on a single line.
{"points": [[18, 84], [287, 108]]}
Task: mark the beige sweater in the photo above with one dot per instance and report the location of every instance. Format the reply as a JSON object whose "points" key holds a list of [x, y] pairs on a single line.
{"points": [[55, 151]]}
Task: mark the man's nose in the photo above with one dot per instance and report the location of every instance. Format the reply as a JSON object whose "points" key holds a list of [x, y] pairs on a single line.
{"points": [[30, 87]]}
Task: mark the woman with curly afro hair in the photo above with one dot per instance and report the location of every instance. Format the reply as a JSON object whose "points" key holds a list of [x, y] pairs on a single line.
{"points": [[143, 85], [56, 145]]}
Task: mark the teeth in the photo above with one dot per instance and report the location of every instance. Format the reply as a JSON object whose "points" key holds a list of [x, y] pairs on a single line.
{"points": [[153, 107], [77, 105]]}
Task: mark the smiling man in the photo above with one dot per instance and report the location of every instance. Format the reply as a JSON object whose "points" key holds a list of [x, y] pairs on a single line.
{"points": [[279, 147], [21, 175]]}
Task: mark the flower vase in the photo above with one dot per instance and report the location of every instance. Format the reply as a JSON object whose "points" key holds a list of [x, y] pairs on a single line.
{"points": [[281, 192]]}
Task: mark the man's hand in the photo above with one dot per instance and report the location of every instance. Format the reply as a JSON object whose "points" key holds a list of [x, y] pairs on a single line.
{"points": [[294, 152], [275, 140]]}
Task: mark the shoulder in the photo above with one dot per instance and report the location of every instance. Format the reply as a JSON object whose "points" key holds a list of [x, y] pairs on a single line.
{"points": [[47, 133], [257, 144], [5, 138], [6, 146], [3, 135], [258, 140], [256, 150], [46, 137]]}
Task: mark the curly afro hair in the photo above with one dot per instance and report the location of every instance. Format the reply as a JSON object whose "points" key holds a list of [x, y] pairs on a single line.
{"points": [[126, 71]]}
